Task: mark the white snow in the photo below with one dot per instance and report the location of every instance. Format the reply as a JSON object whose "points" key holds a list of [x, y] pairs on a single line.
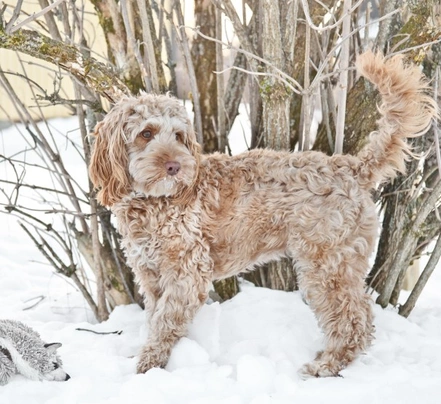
{"points": [[246, 350]]}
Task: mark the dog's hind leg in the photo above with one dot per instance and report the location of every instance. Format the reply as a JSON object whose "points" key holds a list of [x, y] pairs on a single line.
{"points": [[181, 296], [334, 287]]}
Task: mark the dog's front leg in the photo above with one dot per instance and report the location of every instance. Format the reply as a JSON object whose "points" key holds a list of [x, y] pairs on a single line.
{"points": [[181, 295]]}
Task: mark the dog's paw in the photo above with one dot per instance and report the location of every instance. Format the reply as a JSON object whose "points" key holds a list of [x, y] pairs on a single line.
{"points": [[151, 357], [319, 368]]}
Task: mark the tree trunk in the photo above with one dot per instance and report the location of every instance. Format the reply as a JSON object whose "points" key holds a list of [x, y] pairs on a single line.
{"points": [[275, 126], [119, 54], [114, 284], [203, 53], [297, 67]]}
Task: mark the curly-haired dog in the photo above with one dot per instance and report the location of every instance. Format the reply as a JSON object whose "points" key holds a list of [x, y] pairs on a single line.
{"points": [[187, 219]]}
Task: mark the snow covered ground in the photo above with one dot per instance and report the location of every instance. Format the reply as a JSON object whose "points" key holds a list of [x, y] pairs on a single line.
{"points": [[246, 350]]}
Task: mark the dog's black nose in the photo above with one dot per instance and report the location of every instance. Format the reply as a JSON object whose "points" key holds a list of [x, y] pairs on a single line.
{"points": [[67, 377], [172, 167]]}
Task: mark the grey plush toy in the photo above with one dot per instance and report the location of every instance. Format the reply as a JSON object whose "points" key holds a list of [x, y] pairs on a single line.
{"points": [[23, 351]]}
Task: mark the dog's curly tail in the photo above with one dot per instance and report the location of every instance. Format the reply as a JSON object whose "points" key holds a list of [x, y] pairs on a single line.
{"points": [[407, 111]]}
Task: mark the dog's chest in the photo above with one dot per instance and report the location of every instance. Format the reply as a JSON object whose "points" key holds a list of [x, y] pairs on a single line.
{"points": [[154, 235]]}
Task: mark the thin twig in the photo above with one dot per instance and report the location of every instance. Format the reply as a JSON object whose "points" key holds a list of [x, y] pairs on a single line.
{"points": [[38, 299], [230, 11], [435, 123], [53, 159], [36, 187], [46, 211], [305, 138], [99, 332], [423, 45], [33, 17], [331, 53], [267, 74], [86, 294], [257, 72], [15, 15], [349, 11]]}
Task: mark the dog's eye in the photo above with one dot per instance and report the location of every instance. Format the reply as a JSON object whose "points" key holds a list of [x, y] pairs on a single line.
{"points": [[56, 366], [147, 134], [179, 137]]}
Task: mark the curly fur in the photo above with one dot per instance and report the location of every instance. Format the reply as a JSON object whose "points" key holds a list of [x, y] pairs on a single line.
{"points": [[219, 215]]}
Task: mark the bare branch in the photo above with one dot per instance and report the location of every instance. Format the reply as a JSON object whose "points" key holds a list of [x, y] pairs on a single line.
{"points": [[135, 46], [342, 86], [148, 44], [407, 307], [331, 53], [240, 31], [191, 73], [103, 313], [426, 207], [15, 15], [304, 139], [435, 123], [286, 78], [116, 259], [221, 124], [50, 21], [416, 47], [86, 294], [262, 74], [11, 30], [88, 71], [40, 188], [348, 11]]}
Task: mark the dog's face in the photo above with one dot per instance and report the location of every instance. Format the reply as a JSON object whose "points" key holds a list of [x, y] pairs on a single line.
{"points": [[144, 144]]}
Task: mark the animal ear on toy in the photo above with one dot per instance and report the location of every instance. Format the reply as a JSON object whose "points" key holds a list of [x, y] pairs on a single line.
{"points": [[52, 347]]}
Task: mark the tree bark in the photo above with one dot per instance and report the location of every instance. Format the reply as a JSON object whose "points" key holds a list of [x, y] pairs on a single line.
{"points": [[119, 54], [275, 125], [114, 289], [203, 52]]}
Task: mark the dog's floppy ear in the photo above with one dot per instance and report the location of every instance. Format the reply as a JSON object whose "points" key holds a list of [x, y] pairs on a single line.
{"points": [[192, 143], [108, 163], [195, 149]]}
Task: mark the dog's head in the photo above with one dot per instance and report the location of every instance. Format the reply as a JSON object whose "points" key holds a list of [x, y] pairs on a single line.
{"points": [[144, 144]]}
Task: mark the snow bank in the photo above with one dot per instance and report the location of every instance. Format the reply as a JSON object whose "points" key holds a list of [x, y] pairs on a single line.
{"points": [[246, 350]]}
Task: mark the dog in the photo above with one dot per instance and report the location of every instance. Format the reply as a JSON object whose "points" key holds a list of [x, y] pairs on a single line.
{"points": [[187, 219], [23, 351]]}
